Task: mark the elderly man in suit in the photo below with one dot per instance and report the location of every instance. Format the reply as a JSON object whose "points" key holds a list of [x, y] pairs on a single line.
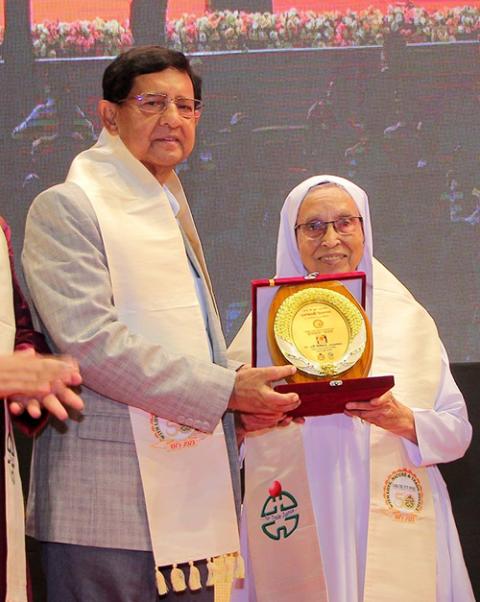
{"points": [[147, 483]]}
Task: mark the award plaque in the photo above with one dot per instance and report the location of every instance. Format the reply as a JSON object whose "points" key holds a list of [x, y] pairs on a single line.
{"points": [[321, 329], [317, 324]]}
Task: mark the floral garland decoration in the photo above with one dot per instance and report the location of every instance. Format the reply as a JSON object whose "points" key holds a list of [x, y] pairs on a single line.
{"points": [[238, 30]]}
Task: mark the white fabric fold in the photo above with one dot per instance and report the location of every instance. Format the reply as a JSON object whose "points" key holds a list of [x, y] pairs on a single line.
{"points": [[14, 513]]}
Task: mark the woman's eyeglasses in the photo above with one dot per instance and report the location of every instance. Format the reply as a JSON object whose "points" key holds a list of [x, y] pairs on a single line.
{"points": [[343, 225]]}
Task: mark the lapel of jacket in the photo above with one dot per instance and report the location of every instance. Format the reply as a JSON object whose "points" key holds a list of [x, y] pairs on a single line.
{"points": [[214, 324]]}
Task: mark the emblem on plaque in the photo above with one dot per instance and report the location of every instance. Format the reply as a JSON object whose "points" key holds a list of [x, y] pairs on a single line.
{"points": [[321, 329]]}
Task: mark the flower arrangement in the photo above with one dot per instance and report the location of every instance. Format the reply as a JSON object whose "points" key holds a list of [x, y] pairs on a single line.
{"points": [[238, 30], [447, 25], [55, 39]]}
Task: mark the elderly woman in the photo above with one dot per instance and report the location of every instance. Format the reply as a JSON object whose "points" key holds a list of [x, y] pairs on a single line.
{"points": [[382, 526]]}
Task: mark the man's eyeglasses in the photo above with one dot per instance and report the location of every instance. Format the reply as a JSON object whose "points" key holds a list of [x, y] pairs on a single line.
{"points": [[156, 103], [343, 225]]}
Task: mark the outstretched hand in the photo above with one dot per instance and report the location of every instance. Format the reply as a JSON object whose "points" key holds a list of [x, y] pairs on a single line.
{"points": [[252, 392]]}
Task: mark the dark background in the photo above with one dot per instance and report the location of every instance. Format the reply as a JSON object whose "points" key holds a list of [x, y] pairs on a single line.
{"points": [[255, 143]]}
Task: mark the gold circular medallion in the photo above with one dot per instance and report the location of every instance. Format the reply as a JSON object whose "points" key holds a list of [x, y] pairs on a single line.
{"points": [[320, 331]]}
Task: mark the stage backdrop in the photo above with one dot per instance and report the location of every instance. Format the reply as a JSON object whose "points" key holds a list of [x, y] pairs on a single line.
{"points": [[387, 95]]}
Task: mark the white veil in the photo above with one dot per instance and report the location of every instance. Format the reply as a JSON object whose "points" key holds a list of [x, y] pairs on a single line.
{"points": [[288, 257]]}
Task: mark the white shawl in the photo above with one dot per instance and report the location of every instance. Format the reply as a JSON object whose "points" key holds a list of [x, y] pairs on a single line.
{"points": [[155, 296], [14, 513]]}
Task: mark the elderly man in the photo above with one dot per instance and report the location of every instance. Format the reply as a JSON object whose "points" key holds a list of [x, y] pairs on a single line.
{"points": [[32, 382], [117, 275]]}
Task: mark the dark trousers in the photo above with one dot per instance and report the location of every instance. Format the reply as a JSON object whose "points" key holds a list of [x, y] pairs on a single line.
{"points": [[87, 574]]}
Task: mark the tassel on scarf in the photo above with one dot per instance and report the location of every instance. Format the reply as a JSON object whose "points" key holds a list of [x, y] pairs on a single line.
{"points": [[222, 570], [223, 577], [230, 565], [239, 566], [161, 583], [210, 569], [219, 570], [194, 581], [177, 579]]}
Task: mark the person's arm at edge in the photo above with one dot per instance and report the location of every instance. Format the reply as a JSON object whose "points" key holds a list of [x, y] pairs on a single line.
{"points": [[25, 338]]}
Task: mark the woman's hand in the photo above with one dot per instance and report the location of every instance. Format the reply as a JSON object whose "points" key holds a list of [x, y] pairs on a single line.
{"points": [[56, 402], [33, 381], [26, 373], [387, 413]]}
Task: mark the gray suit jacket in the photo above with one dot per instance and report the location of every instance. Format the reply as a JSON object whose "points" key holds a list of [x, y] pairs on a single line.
{"points": [[85, 486]]}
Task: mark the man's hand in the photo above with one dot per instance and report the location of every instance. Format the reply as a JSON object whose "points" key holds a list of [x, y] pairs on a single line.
{"points": [[253, 394], [247, 423]]}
